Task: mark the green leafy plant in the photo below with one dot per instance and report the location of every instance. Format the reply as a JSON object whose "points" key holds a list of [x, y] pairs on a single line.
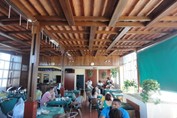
{"points": [[90, 73], [129, 83], [150, 86], [103, 74], [114, 72]]}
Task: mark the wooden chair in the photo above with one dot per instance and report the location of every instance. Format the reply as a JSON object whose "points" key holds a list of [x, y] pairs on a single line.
{"points": [[93, 103]]}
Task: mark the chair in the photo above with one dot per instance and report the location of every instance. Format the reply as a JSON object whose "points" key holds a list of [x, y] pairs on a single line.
{"points": [[93, 103]]}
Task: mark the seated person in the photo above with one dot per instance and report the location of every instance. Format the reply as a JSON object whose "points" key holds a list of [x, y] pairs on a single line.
{"points": [[78, 101], [94, 93], [115, 113], [48, 95], [109, 83], [38, 94], [115, 105], [107, 102]]}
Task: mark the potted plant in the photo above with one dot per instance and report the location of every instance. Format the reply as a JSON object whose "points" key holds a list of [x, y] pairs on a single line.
{"points": [[129, 86], [150, 87]]}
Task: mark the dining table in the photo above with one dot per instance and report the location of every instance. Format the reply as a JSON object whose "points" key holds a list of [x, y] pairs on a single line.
{"points": [[50, 112]]}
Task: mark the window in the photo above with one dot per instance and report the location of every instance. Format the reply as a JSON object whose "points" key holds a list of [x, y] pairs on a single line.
{"points": [[4, 69], [128, 68], [10, 70]]}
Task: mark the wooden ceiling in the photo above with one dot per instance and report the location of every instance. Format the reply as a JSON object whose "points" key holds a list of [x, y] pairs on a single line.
{"points": [[87, 27]]}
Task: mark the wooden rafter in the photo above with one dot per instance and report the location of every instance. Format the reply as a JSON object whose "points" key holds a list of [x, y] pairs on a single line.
{"points": [[112, 52], [96, 53], [65, 4], [118, 24], [165, 8], [92, 36], [117, 12], [122, 33]]}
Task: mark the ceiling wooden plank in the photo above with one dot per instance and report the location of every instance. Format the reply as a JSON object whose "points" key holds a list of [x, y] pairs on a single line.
{"points": [[92, 36], [117, 12], [165, 24], [165, 8], [122, 33], [65, 4]]}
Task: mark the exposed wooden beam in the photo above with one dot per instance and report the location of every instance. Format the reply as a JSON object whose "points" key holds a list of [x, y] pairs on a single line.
{"points": [[118, 24], [96, 53], [93, 18], [69, 31], [18, 32], [129, 24], [155, 42], [134, 18], [117, 12], [65, 4], [166, 25], [112, 52], [11, 47], [50, 18], [12, 38], [122, 33], [162, 10], [92, 36], [17, 5], [82, 53], [106, 32], [146, 32], [169, 18]]}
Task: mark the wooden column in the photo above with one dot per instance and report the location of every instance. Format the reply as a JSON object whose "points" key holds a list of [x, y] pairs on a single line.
{"points": [[31, 104]]}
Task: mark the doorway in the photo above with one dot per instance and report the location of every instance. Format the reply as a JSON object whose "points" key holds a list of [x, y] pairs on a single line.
{"points": [[80, 82]]}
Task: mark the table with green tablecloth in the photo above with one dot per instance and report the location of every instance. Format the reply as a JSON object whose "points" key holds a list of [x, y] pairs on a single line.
{"points": [[111, 91], [59, 102], [8, 104], [51, 111]]}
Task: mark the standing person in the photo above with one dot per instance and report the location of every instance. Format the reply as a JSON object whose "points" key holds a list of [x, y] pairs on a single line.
{"points": [[58, 88], [100, 86], [62, 90], [89, 84], [48, 96], [115, 105]]}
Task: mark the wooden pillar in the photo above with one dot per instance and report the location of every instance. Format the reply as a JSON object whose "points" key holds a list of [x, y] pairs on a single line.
{"points": [[62, 89], [31, 104]]}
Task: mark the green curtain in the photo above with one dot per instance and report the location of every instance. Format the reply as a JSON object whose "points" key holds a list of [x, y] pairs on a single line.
{"points": [[159, 62]]}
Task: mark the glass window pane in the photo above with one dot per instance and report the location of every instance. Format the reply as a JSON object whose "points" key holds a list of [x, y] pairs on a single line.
{"points": [[16, 66], [16, 74], [5, 74], [16, 82], [6, 65], [4, 82], [1, 64], [5, 56], [1, 72]]}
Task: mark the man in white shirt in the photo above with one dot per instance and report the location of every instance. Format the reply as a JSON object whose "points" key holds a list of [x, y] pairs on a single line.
{"points": [[89, 84]]}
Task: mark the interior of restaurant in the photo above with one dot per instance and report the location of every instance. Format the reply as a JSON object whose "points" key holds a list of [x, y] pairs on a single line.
{"points": [[77, 58]]}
